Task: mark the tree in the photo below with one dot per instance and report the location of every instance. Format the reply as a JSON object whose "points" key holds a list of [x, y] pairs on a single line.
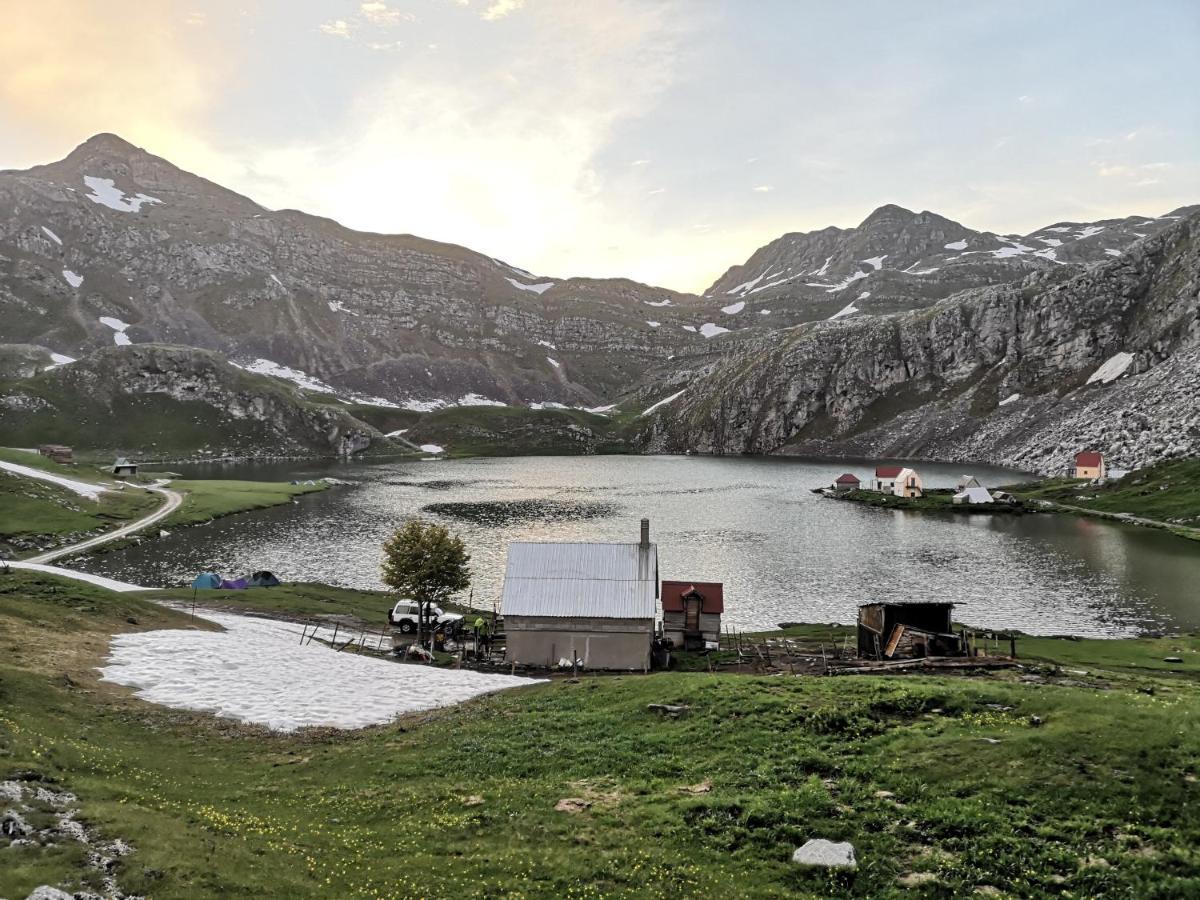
{"points": [[427, 563]]}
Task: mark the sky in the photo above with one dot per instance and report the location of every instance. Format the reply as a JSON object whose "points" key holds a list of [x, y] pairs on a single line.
{"points": [[661, 140]]}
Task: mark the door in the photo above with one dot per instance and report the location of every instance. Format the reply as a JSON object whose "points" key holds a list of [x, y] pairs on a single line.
{"points": [[691, 615]]}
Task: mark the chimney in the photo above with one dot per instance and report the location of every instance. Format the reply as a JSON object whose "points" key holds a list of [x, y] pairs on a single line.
{"points": [[645, 541]]}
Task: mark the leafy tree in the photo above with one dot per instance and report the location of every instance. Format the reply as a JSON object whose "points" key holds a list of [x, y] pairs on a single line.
{"points": [[427, 563]]}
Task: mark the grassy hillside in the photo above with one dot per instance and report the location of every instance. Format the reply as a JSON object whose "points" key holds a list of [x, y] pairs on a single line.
{"points": [[938, 782], [35, 513], [210, 499], [513, 430], [1168, 492]]}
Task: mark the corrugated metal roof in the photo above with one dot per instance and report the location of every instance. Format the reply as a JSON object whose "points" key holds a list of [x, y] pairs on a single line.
{"points": [[616, 581]]}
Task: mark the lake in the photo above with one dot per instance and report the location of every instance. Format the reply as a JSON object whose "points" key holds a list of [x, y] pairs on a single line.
{"points": [[784, 553]]}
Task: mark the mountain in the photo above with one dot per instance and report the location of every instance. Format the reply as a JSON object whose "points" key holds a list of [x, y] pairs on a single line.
{"points": [[112, 244], [128, 285], [157, 401], [1021, 374], [899, 260]]}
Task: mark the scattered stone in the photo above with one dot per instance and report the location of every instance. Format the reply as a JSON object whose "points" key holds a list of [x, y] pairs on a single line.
{"points": [[916, 879], [667, 711], [46, 892], [987, 890], [1095, 862], [990, 740], [1172, 659], [572, 804], [884, 795], [473, 800], [703, 787], [13, 825], [830, 854], [1035, 721]]}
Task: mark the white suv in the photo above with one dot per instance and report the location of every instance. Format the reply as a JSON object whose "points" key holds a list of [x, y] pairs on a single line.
{"points": [[406, 614]]}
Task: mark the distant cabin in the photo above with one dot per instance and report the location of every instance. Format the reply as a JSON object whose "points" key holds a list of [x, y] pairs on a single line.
{"points": [[692, 613], [973, 495], [58, 453], [903, 630], [1088, 464], [123, 468], [846, 483], [900, 481], [967, 481], [579, 603]]}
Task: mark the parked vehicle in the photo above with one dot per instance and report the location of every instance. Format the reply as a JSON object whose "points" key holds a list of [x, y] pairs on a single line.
{"points": [[406, 614]]}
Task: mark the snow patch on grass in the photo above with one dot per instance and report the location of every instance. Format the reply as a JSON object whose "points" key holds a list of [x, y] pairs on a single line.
{"points": [[711, 330], [256, 670], [82, 488]]}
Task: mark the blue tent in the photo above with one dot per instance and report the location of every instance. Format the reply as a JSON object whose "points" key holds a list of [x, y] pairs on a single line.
{"points": [[207, 580]]}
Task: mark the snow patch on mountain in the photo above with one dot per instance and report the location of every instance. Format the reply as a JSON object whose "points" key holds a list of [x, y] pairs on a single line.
{"points": [[876, 261], [748, 285], [823, 269], [663, 402], [73, 279], [666, 302], [711, 330], [554, 362], [1114, 367], [847, 310], [1088, 231], [734, 308], [957, 245], [120, 338], [1011, 398], [106, 193], [338, 306], [540, 288], [54, 237], [653, 324]]}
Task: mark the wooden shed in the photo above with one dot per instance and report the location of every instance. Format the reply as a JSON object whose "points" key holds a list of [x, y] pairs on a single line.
{"points": [[58, 453], [903, 630], [692, 613]]}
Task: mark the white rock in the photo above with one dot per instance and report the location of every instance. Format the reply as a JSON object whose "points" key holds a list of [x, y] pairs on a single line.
{"points": [[45, 892], [832, 854]]}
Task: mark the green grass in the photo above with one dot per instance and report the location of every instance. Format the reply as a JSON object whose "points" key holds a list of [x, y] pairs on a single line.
{"points": [[930, 501], [33, 508], [1101, 800], [37, 461], [369, 607], [205, 500], [1167, 492], [513, 430]]}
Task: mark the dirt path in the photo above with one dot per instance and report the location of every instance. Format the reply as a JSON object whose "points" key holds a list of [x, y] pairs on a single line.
{"points": [[173, 499], [1123, 517]]}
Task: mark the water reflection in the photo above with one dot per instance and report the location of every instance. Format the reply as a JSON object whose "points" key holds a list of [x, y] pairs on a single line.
{"points": [[784, 553]]}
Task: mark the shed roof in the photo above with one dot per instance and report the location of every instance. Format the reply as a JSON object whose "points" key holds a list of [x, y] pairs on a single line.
{"points": [[713, 593], [1089, 458], [614, 581], [975, 495], [888, 471], [847, 479]]}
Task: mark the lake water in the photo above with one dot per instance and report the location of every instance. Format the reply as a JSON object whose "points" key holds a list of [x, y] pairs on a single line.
{"points": [[784, 553]]}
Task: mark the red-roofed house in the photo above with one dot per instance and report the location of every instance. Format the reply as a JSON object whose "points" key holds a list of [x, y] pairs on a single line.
{"points": [[846, 482], [692, 613], [1088, 464], [898, 480]]}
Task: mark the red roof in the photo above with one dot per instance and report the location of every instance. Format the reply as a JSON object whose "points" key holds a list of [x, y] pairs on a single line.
{"points": [[712, 592], [847, 479], [888, 471], [1089, 459]]}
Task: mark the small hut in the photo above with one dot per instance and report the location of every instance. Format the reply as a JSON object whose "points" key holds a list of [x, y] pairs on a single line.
{"points": [[692, 613], [58, 453], [846, 483], [123, 468], [907, 630]]}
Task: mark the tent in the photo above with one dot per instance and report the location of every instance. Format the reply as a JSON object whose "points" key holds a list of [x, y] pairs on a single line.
{"points": [[264, 579], [207, 580], [238, 585]]}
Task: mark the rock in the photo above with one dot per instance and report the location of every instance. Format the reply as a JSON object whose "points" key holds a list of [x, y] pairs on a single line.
{"points": [[13, 825], [830, 854], [473, 800], [1172, 659], [572, 804], [703, 787], [916, 879], [667, 711], [46, 892], [1035, 721], [884, 795]]}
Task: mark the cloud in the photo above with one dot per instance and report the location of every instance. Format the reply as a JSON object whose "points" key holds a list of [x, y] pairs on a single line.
{"points": [[1025, 98], [1146, 182], [337, 27], [657, 191], [639, 162], [378, 13], [763, 188], [498, 9]]}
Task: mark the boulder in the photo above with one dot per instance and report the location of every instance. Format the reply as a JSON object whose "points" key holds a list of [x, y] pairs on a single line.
{"points": [[830, 854]]}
